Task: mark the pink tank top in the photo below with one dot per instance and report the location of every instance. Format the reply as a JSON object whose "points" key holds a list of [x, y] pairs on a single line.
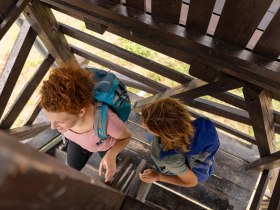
{"points": [[89, 139]]}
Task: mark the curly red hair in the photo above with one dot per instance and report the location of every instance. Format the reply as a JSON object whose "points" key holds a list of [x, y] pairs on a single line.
{"points": [[68, 89]]}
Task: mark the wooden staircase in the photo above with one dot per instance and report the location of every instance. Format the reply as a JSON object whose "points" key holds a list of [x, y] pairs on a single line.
{"points": [[230, 187]]}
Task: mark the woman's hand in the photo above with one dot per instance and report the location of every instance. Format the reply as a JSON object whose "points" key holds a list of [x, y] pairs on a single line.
{"points": [[108, 162], [149, 176]]}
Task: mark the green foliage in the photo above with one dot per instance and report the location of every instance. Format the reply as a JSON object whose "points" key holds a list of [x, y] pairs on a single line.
{"points": [[136, 48]]}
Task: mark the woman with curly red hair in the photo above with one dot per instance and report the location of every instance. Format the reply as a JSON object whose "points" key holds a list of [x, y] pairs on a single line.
{"points": [[67, 102]]}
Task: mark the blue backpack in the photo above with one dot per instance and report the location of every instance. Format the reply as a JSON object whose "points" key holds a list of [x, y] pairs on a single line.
{"points": [[204, 145], [111, 93]]}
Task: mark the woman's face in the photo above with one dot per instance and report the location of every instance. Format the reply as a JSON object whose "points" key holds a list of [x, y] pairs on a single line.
{"points": [[62, 121]]}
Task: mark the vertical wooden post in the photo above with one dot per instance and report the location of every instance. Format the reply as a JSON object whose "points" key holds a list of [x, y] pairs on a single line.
{"points": [[259, 103]]}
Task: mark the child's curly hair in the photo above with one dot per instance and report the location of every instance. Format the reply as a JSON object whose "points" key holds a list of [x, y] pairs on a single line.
{"points": [[68, 89], [169, 119]]}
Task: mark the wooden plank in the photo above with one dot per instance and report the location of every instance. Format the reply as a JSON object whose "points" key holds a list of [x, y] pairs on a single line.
{"points": [[35, 171], [137, 205], [260, 190], [269, 44], [260, 109], [119, 69], [115, 1], [275, 198], [96, 27], [12, 15], [243, 17], [43, 138], [193, 89], [15, 63], [169, 10], [34, 114], [44, 23], [199, 15], [137, 4], [132, 187], [134, 84], [169, 200], [26, 93], [226, 128], [267, 162], [173, 41], [125, 54], [5, 8], [208, 74], [28, 131]]}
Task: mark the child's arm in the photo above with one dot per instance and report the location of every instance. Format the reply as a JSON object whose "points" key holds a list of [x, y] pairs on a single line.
{"points": [[188, 179]]}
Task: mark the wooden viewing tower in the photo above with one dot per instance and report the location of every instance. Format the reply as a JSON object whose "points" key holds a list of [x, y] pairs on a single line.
{"points": [[228, 44]]}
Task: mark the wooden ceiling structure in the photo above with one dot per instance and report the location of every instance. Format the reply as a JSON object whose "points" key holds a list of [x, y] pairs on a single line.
{"points": [[229, 44]]}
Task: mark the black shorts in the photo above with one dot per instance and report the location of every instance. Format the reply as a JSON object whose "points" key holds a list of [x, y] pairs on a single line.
{"points": [[77, 156]]}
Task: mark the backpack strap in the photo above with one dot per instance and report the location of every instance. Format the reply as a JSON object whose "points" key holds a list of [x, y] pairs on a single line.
{"points": [[100, 121]]}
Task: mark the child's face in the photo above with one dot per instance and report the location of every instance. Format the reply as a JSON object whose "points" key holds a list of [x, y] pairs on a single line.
{"points": [[147, 128]]}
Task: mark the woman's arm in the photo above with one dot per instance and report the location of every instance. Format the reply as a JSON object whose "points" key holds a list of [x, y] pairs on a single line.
{"points": [[187, 179], [109, 160]]}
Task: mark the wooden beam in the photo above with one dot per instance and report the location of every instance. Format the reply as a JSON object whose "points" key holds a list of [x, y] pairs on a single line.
{"points": [[175, 42], [199, 15], [275, 198], [260, 190], [207, 74], [168, 10], [96, 27], [43, 138], [227, 128], [12, 15], [34, 114], [267, 162], [28, 131], [34, 171], [26, 93], [260, 110], [15, 63], [138, 77], [125, 54], [193, 89], [44, 23], [5, 8], [137, 4], [239, 20], [134, 84]]}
